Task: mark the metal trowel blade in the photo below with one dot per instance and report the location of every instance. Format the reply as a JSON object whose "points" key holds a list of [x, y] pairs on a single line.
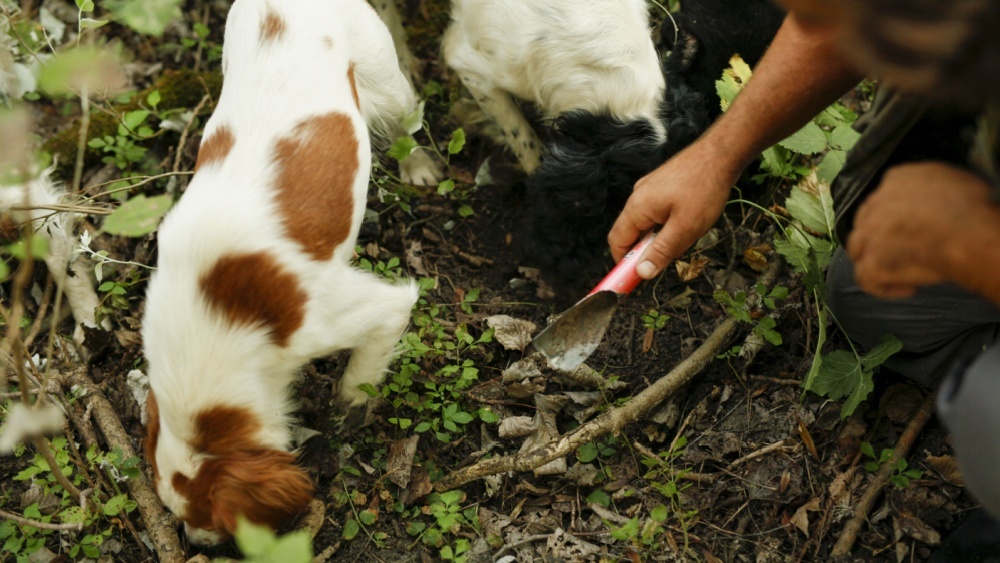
{"points": [[573, 337]]}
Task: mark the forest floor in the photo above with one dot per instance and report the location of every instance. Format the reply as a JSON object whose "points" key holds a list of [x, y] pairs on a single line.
{"points": [[739, 464]]}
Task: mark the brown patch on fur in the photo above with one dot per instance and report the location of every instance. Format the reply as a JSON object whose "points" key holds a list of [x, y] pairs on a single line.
{"points": [[328, 42], [317, 165], [152, 433], [354, 87], [272, 27], [253, 289], [241, 477], [215, 147]]}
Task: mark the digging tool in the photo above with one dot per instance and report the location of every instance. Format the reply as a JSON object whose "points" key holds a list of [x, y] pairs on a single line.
{"points": [[574, 336]]}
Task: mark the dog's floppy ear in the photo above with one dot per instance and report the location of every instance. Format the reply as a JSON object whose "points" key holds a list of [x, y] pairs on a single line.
{"points": [[265, 486]]}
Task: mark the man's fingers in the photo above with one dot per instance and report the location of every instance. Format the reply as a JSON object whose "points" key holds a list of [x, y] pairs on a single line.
{"points": [[664, 249], [627, 229]]}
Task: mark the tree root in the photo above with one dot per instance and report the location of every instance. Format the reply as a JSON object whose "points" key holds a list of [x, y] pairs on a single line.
{"points": [[850, 532], [159, 524]]}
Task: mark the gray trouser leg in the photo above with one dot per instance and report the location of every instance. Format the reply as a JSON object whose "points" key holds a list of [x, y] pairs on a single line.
{"points": [[938, 326], [967, 403]]}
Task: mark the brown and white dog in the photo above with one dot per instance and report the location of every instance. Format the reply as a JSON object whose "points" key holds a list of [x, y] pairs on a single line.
{"points": [[254, 278]]}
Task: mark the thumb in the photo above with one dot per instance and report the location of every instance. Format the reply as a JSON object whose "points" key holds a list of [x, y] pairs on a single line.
{"points": [[658, 255]]}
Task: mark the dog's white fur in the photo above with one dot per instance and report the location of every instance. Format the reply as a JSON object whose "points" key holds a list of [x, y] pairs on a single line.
{"points": [[561, 55], [199, 359]]}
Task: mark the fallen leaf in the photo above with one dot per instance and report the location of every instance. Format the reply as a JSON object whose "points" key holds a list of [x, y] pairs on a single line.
{"points": [[947, 467], [801, 517], [900, 401], [808, 441], [516, 426], [511, 333], [917, 528], [840, 488], [682, 300], [545, 418], [786, 478], [414, 258], [647, 341], [756, 256], [688, 271], [849, 439], [399, 462]]}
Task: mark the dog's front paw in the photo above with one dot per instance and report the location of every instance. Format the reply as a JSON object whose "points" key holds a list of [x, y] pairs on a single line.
{"points": [[420, 169]]}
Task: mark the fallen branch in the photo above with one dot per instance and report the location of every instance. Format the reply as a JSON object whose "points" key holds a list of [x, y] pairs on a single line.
{"points": [[40, 525], [159, 524], [850, 532]]}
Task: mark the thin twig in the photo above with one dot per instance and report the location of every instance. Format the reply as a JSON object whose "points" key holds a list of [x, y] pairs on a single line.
{"points": [[778, 446], [850, 532], [44, 448], [187, 127], [40, 525]]}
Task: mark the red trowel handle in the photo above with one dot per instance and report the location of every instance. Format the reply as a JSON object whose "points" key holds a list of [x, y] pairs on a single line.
{"points": [[623, 278]]}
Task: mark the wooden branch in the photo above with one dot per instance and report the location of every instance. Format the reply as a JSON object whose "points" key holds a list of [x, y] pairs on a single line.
{"points": [[40, 525], [850, 532], [159, 524]]}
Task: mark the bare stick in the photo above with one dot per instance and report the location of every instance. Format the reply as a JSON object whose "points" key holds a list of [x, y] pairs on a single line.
{"points": [[850, 532], [159, 524], [40, 525], [778, 446]]}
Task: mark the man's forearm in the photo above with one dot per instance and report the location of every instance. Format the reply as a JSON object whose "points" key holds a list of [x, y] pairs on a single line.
{"points": [[801, 74]]}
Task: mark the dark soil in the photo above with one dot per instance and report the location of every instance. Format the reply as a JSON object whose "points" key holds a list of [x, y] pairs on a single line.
{"points": [[746, 513]]}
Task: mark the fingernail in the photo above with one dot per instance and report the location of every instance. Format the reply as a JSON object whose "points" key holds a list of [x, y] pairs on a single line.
{"points": [[646, 270]]}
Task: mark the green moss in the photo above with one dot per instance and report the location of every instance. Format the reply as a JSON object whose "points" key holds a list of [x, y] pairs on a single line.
{"points": [[178, 89]]}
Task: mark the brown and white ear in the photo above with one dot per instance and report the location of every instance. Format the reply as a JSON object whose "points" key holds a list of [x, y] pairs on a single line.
{"points": [[266, 487]]}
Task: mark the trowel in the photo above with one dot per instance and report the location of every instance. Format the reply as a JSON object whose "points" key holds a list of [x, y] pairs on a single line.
{"points": [[575, 334]]}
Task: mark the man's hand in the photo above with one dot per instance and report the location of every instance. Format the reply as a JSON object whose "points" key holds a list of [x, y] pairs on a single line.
{"points": [[686, 195], [926, 223]]}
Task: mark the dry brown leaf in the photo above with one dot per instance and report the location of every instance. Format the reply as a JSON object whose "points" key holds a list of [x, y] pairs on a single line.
{"points": [[900, 401], [801, 517], [688, 271], [647, 341], [849, 439], [511, 333], [709, 558], [681, 300], [414, 258], [516, 426], [786, 478], [808, 441], [399, 462], [947, 467], [917, 528], [420, 485], [840, 488], [756, 256]]}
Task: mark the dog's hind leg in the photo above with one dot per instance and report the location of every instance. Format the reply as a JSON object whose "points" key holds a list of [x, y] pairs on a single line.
{"points": [[386, 96]]}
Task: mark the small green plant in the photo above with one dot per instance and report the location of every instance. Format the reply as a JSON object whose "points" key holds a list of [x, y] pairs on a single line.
{"points": [[739, 307], [449, 520], [900, 476], [654, 320], [665, 478]]}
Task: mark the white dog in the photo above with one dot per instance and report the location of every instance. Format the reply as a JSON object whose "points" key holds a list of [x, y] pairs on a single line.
{"points": [[253, 278]]}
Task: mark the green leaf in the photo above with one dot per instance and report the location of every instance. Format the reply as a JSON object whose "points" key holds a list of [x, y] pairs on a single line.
{"points": [[842, 375], [115, 505], [867, 449], [85, 5], [402, 148], [414, 121], [600, 497], [805, 252], [138, 216], [294, 547], [351, 529], [446, 187], [462, 417], [808, 140], [133, 119], [415, 528], [39, 248], [831, 165], [887, 346], [843, 137], [659, 513], [813, 210], [252, 539], [89, 23], [732, 81], [367, 517], [466, 211], [457, 141], [149, 17], [69, 71], [587, 452]]}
